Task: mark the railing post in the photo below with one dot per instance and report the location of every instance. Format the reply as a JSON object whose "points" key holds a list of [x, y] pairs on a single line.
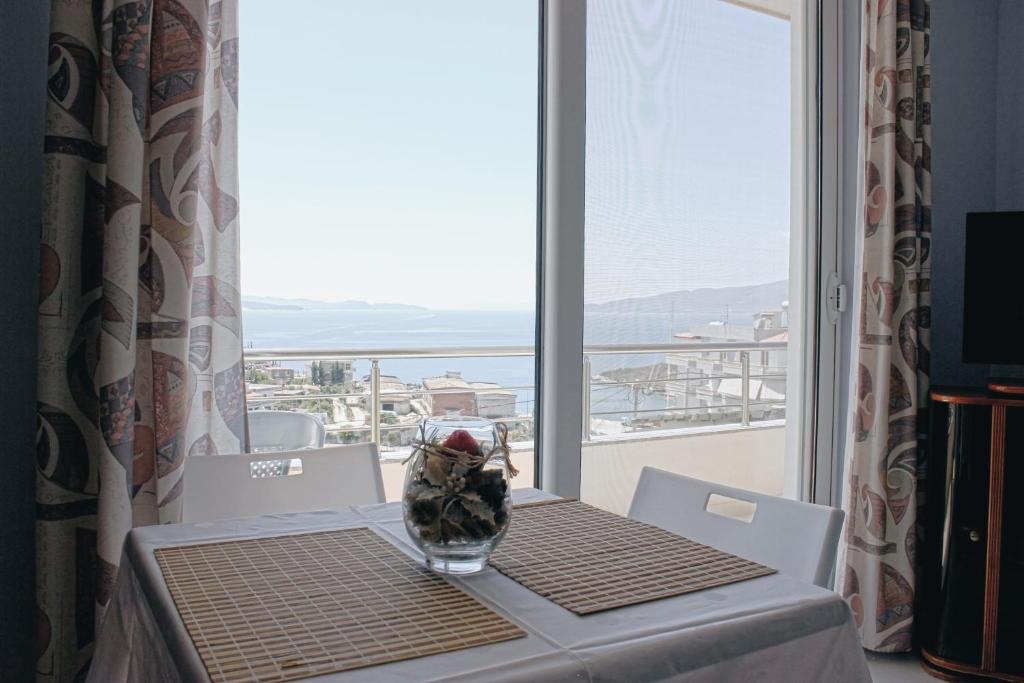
{"points": [[375, 401], [745, 387], [586, 397]]}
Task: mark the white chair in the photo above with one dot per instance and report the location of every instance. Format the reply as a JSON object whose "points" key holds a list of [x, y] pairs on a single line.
{"points": [[243, 485], [798, 539], [283, 430]]}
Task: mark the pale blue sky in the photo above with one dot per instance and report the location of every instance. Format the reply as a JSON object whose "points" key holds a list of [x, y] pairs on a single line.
{"points": [[388, 149]]}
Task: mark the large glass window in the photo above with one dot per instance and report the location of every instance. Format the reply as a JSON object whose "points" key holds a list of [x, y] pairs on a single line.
{"points": [[388, 156], [688, 175]]}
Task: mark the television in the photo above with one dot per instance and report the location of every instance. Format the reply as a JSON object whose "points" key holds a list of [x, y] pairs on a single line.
{"points": [[994, 288]]}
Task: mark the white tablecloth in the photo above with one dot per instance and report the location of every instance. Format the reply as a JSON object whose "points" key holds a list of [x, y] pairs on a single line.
{"points": [[772, 628]]}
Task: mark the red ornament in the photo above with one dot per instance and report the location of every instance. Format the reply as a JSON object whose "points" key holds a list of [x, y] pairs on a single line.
{"points": [[461, 440]]}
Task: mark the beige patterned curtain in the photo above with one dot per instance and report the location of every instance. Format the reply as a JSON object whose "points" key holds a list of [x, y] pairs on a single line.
{"points": [[140, 358], [878, 571]]}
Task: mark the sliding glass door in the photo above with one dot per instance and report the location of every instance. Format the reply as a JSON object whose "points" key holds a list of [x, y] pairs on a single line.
{"points": [[702, 255]]}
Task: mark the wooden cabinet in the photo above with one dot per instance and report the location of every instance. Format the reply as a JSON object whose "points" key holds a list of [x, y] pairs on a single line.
{"points": [[971, 598]]}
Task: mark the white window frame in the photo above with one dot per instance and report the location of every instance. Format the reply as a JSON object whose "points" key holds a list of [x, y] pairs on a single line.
{"points": [[563, 105], [823, 204], [812, 443], [811, 398]]}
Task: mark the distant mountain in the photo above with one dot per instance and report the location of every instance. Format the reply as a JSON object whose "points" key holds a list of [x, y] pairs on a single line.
{"points": [[265, 306], [700, 305], [685, 306], [271, 303]]}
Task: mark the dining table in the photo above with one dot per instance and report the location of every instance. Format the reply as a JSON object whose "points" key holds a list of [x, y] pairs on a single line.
{"points": [[770, 628]]}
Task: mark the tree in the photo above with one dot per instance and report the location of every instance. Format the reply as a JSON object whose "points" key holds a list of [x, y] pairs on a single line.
{"points": [[256, 375]]}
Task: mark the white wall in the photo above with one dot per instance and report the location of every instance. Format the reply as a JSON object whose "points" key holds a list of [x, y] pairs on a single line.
{"points": [[745, 457]]}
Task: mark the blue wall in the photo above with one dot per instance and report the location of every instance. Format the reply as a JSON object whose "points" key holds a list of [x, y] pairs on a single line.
{"points": [[1010, 108], [23, 27], [977, 156]]}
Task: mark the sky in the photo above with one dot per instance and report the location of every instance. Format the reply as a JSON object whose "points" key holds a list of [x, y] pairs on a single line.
{"points": [[388, 150]]}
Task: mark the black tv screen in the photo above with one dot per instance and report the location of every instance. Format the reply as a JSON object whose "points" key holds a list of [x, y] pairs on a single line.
{"points": [[993, 288]]}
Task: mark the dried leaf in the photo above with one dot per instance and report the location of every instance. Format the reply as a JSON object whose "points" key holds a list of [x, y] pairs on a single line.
{"points": [[452, 519], [430, 533], [423, 491], [436, 469], [476, 507]]}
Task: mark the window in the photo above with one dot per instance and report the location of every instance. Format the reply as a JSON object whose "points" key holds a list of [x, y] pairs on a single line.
{"points": [[399, 220], [689, 172], [388, 159]]}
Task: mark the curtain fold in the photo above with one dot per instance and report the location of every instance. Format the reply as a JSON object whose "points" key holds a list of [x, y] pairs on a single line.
{"points": [[877, 568], [140, 328]]}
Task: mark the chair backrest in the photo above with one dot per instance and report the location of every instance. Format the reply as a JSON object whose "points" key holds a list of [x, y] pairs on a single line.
{"points": [[283, 430], [798, 539], [243, 485]]}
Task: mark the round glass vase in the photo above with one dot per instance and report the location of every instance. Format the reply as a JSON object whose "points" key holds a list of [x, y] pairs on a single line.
{"points": [[457, 501]]}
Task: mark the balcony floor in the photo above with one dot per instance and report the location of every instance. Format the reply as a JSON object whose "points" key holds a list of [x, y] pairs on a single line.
{"points": [[902, 668]]}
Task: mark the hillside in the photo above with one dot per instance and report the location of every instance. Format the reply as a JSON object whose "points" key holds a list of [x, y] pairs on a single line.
{"points": [[696, 305], [270, 303]]}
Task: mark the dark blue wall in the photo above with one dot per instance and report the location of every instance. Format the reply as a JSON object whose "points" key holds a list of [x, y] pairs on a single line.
{"points": [[23, 28], [977, 154], [1010, 108]]}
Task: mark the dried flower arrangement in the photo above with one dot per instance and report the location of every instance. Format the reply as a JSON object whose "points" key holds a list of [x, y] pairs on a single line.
{"points": [[452, 496]]}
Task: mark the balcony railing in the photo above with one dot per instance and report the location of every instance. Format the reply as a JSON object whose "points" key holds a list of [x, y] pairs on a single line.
{"points": [[739, 351]]}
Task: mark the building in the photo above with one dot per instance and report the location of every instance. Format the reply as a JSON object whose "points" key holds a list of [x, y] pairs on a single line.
{"points": [[254, 390], [493, 401], [336, 373], [266, 372], [461, 397], [458, 397], [708, 385], [279, 374], [391, 397]]}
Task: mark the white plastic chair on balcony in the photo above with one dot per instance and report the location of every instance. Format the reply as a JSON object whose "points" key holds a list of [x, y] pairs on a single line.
{"points": [[244, 485], [798, 539], [283, 430]]}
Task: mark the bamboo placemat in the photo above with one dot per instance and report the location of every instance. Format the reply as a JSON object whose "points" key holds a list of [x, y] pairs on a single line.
{"points": [[289, 607], [588, 560]]}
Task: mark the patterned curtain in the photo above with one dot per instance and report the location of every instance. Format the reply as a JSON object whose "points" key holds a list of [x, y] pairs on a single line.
{"points": [[140, 358], [878, 571]]}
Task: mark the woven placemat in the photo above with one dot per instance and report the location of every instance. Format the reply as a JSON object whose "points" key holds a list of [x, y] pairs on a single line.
{"points": [[289, 607], [589, 560]]}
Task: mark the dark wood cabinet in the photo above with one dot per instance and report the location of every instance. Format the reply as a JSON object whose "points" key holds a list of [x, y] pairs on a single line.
{"points": [[971, 603]]}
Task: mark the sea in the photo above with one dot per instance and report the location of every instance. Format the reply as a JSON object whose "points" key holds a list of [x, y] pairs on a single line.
{"points": [[341, 328]]}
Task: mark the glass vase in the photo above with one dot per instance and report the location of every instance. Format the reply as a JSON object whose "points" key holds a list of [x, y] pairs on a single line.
{"points": [[457, 499]]}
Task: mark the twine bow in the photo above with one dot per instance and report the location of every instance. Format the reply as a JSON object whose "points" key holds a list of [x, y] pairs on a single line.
{"points": [[468, 460]]}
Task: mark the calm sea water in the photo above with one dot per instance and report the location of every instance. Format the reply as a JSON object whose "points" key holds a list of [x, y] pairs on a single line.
{"points": [[345, 328]]}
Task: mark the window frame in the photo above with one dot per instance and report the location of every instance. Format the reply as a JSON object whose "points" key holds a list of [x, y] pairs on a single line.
{"points": [[823, 431], [560, 246]]}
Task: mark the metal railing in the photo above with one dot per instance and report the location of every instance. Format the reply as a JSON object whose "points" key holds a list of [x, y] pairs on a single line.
{"points": [[376, 355]]}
